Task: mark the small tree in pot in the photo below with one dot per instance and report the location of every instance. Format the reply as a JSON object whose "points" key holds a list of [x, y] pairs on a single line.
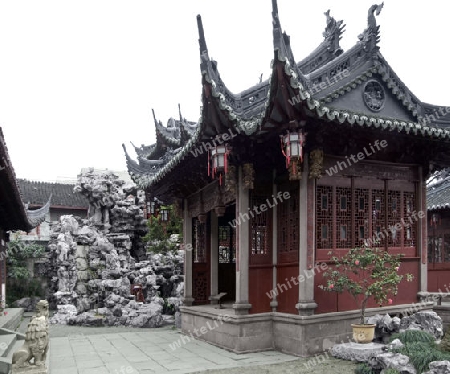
{"points": [[365, 273]]}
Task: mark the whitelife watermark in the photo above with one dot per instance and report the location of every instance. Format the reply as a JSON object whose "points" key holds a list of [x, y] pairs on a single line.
{"points": [[321, 85], [218, 140], [342, 165], [394, 229], [280, 288], [199, 332], [441, 112], [243, 217]]}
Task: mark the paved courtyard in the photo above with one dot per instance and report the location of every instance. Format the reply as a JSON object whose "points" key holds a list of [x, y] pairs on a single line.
{"points": [[132, 351]]}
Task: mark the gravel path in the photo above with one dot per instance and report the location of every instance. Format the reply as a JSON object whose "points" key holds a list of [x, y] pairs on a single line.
{"points": [[329, 366]]}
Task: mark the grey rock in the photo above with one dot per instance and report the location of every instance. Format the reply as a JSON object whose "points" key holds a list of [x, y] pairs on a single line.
{"points": [[396, 343], [426, 321], [438, 367], [391, 360], [356, 352], [27, 303]]}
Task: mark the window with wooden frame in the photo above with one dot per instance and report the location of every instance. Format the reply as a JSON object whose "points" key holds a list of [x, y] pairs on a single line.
{"points": [[260, 228], [347, 217]]}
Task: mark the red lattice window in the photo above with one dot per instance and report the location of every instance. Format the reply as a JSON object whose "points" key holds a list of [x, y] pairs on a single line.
{"points": [[226, 244], [324, 217], [260, 225], [409, 230], [379, 230], [361, 214], [288, 223], [343, 217], [394, 215]]}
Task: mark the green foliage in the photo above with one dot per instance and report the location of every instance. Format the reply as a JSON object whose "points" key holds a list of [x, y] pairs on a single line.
{"points": [[168, 308], [365, 273], [411, 336], [159, 232], [364, 368], [17, 253], [19, 282], [391, 371], [421, 354]]}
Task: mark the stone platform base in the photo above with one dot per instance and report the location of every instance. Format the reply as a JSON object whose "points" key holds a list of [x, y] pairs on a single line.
{"points": [[303, 336], [355, 351]]}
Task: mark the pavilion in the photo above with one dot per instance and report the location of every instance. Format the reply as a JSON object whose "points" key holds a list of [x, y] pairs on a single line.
{"points": [[329, 152]]}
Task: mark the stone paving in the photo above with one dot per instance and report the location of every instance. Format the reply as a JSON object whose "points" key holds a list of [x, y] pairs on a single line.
{"points": [[144, 352]]}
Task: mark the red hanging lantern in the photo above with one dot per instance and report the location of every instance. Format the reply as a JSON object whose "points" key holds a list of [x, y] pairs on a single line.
{"points": [[435, 220], [219, 162], [292, 148]]}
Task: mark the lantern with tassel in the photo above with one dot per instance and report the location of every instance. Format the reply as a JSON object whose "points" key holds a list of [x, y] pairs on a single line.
{"points": [[218, 165], [292, 148]]}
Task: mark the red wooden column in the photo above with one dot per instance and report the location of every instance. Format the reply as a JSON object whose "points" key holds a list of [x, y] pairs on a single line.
{"points": [[214, 237], [422, 235], [274, 301], [242, 304], [187, 238], [306, 303]]}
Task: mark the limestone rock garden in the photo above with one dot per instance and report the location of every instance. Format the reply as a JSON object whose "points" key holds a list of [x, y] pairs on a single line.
{"points": [[100, 270], [414, 344]]}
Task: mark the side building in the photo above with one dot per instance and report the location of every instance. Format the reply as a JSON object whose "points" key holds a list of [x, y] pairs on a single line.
{"points": [[14, 215], [64, 202], [438, 204]]}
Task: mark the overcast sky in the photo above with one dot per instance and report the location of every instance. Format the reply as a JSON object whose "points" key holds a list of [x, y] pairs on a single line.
{"points": [[79, 78]]}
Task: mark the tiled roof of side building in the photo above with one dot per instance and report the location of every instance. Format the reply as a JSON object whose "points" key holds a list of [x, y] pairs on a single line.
{"points": [[36, 193], [438, 192]]}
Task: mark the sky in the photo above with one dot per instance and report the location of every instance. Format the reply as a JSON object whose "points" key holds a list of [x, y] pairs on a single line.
{"points": [[79, 78]]}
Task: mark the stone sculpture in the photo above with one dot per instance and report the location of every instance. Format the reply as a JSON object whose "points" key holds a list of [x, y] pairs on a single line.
{"points": [[30, 358]]}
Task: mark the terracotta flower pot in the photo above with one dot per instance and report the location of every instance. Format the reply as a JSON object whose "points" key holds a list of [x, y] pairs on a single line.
{"points": [[363, 334]]}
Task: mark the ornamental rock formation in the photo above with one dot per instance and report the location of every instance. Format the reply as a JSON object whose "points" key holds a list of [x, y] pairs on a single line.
{"points": [[97, 264]]}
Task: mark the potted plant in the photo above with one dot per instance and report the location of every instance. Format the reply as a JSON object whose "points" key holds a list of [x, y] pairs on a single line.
{"points": [[365, 273]]}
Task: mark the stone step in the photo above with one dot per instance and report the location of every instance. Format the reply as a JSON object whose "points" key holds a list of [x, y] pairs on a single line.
{"points": [[6, 361], [6, 343]]}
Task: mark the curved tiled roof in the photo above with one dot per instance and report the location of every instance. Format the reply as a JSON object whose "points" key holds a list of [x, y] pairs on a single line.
{"points": [[438, 192], [250, 110], [14, 214], [37, 193]]}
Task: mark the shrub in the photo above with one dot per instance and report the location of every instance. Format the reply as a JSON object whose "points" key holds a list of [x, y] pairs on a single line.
{"points": [[421, 354], [412, 336], [364, 368]]}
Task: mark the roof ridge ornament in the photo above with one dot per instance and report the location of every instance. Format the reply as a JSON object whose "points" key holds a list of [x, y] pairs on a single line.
{"points": [[275, 18], [333, 33], [202, 40], [371, 36]]}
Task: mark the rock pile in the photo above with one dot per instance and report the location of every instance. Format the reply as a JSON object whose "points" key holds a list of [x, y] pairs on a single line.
{"points": [[95, 264]]}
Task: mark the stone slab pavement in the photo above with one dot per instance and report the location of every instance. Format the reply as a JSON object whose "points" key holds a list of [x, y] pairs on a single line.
{"points": [[134, 351]]}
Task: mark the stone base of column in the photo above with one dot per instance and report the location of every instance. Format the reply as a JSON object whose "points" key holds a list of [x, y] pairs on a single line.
{"points": [[241, 308], [274, 305], [188, 301], [306, 307]]}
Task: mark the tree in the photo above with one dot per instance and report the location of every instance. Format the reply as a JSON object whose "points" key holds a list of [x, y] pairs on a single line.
{"points": [[20, 282], [159, 232], [366, 272]]}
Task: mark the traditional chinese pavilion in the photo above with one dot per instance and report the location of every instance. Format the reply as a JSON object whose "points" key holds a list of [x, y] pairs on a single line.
{"points": [[329, 152], [14, 215]]}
